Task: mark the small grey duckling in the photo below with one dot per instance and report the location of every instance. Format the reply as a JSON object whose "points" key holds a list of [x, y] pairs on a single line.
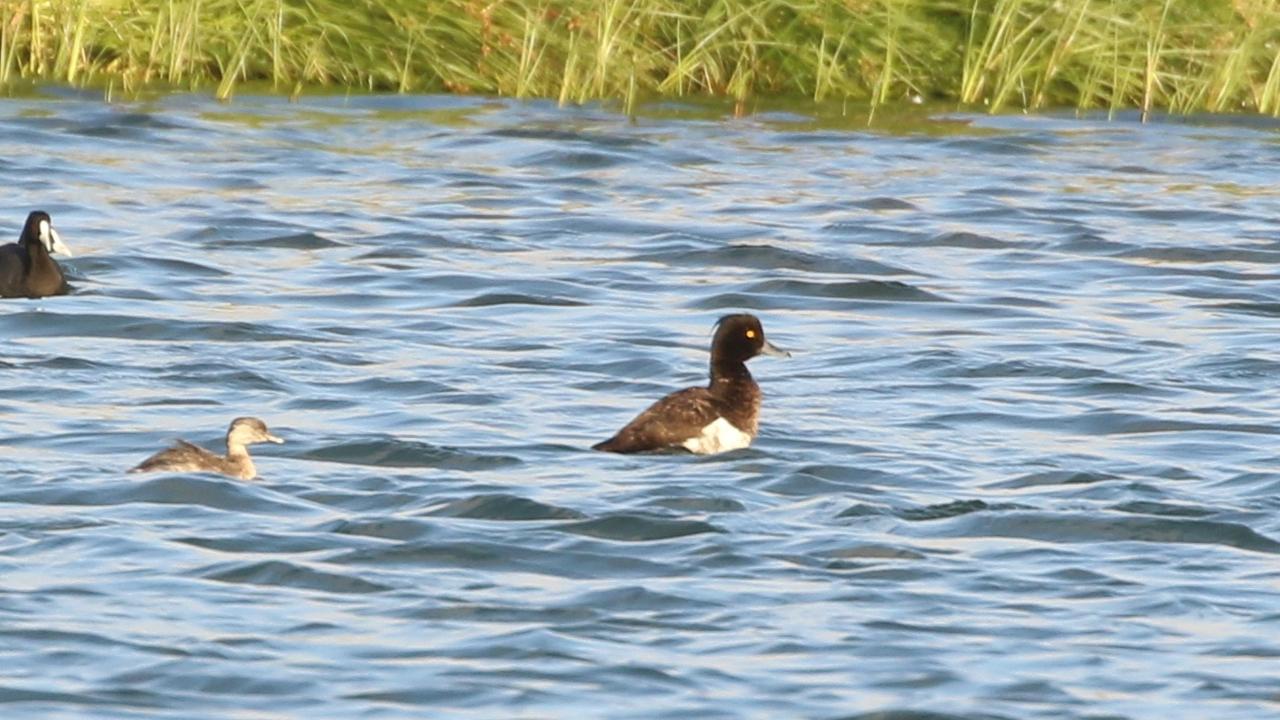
{"points": [[26, 270], [186, 457]]}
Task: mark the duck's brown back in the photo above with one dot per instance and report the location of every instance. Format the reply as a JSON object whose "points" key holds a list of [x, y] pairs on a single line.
{"points": [[188, 457]]}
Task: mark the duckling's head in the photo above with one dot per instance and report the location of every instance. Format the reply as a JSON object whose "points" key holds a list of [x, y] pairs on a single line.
{"points": [[39, 228], [249, 430]]}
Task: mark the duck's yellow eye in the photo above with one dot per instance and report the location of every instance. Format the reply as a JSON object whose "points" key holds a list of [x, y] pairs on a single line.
{"points": [[751, 333]]}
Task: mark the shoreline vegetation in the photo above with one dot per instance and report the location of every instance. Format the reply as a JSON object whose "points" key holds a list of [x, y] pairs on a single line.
{"points": [[1178, 56]]}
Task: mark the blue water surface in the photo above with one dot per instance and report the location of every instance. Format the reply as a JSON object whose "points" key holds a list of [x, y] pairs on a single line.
{"points": [[1021, 465]]}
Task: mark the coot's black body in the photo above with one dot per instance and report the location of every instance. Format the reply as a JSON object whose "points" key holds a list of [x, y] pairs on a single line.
{"points": [[26, 268]]}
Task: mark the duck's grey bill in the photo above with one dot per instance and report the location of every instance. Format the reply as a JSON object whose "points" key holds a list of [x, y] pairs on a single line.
{"points": [[770, 349]]}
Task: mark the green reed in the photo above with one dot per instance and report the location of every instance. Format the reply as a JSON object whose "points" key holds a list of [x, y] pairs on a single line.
{"points": [[1175, 55]]}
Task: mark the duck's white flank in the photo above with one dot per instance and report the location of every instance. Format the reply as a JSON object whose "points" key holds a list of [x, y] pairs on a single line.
{"points": [[718, 436]]}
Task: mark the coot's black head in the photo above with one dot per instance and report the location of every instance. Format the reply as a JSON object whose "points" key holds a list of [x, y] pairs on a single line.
{"points": [[739, 338], [39, 229]]}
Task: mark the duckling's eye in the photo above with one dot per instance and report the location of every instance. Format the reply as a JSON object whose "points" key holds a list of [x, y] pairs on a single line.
{"points": [[751, 333]]}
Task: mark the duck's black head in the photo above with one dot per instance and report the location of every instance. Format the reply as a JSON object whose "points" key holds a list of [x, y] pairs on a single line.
{"points": [[39, 230], [739, 338]]}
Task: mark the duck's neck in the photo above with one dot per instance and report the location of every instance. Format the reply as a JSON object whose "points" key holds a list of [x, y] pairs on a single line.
{"points": [[44, 267], [737, 394], [40, 259], [726, 374], [238, 455]]}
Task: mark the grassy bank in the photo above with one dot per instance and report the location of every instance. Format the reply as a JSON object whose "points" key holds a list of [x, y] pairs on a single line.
{"points": [[1176, 55]]}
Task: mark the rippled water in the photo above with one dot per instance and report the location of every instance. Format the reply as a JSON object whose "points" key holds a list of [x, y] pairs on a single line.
{"points": [[1021, 465]]}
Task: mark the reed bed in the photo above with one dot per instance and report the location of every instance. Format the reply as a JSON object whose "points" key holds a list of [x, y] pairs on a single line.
{"points": [[1173, 55]]}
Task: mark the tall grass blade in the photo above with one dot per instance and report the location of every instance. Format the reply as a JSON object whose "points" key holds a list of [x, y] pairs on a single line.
{"points": [[1176, 55]]}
